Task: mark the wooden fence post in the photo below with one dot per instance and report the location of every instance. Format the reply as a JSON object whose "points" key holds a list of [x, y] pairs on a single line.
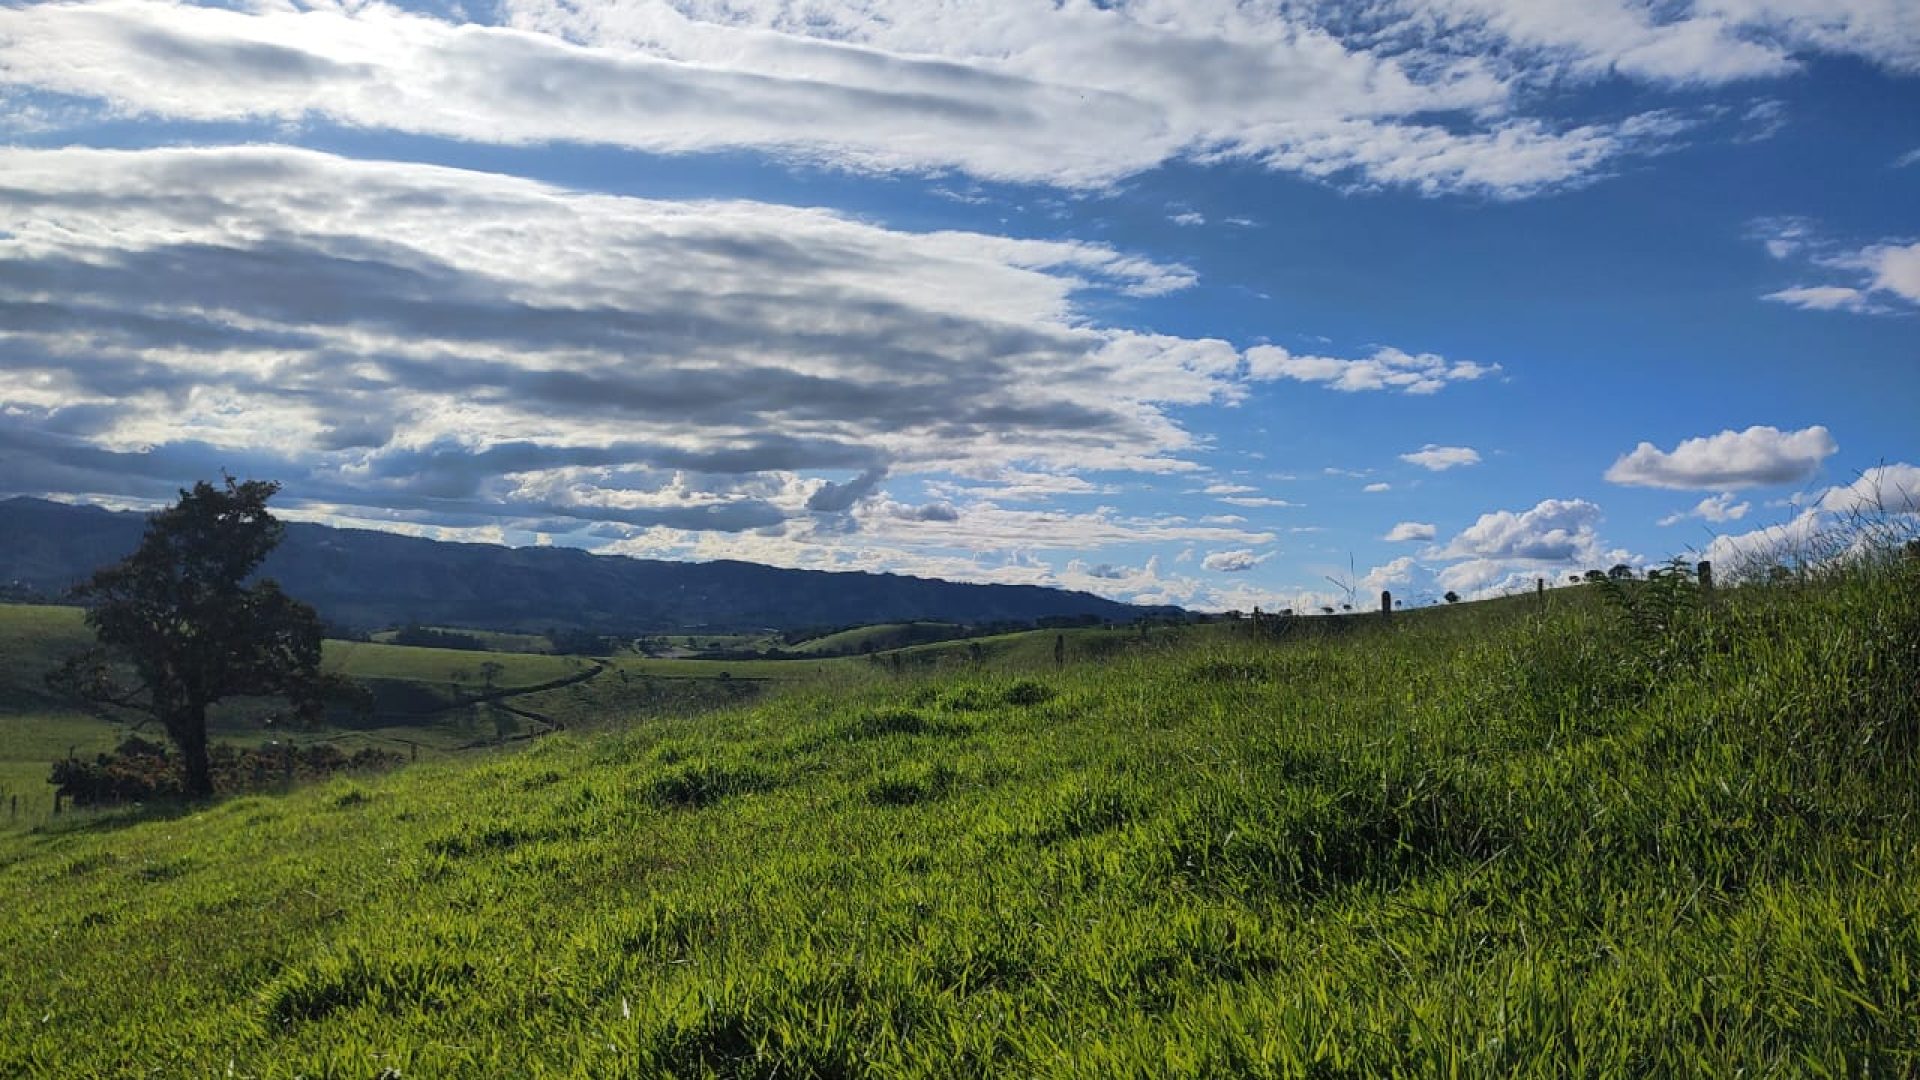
{"points": [[1386, 602], [1705, 573]]}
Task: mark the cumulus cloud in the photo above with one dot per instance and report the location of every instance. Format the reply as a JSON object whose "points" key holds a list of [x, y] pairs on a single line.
{"points": [[1074, 95], [1377, 487], [1410, 530], [1789, 542], [1759, 455], [1233, 562], [1442, 458], [1889, 488], [1386, 369], [1554, 530], [1507, 551], [1714, 508]]}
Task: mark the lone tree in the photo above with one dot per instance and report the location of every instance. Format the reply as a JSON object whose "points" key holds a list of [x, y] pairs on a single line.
{"points": [[179, 618]]}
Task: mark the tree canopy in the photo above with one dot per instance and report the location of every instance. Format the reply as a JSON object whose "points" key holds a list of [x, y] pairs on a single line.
{"points": [[180, 627]]}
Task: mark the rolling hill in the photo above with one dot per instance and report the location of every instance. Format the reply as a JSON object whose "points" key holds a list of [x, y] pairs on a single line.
{"points": [[363, 579]]}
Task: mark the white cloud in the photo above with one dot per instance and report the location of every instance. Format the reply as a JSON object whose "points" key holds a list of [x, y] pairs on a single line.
{"points": [[1376, 488], [1258, 502], [1889, 488], [1228, 489], [1188, 217], [1386, 369], [409, 334], [1895, 269], [1410, 530], [1823, 298], [1441, 458], [1685, 43], [1507, 551], [1554, 530], [1732, 459], [1911, 157], [1075, 95], [1734, 555], [1715, 508], [1882, 276], [1233, 562]]}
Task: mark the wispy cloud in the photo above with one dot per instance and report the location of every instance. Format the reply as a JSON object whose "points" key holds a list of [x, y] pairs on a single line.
{"points": [[1387, 369], [1075, 95], [1442, 458]]}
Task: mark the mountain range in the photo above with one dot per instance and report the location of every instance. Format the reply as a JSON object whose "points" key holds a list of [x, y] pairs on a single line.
{"points": [[362, 580]]}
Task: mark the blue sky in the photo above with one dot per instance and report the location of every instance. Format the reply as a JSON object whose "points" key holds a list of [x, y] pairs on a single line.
{"points": [[1203, 303]]}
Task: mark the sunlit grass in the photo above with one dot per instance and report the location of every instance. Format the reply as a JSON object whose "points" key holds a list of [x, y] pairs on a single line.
{"points": [[1477, 843]]}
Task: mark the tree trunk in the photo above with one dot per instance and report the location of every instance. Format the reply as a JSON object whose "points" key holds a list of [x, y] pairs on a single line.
{"points": [[189, 731]]}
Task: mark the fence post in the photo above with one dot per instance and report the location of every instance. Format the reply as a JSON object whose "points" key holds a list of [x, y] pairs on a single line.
{"points": [[1386, 602], [1705, 573]]}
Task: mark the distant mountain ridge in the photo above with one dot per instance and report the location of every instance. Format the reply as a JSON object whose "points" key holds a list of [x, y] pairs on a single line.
{"points": [[364, 579]]}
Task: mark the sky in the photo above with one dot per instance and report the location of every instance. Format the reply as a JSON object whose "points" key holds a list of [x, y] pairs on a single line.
{"points": [[1188, 302]]}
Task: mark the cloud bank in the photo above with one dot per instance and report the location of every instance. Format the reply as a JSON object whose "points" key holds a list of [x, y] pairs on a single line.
{"points": [[1436, 97]]}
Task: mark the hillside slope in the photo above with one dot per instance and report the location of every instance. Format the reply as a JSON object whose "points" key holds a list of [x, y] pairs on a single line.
{"points": [[373, 579], [1496, 843]]}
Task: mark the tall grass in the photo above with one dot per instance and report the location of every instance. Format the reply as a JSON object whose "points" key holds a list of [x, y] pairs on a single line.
{"points": [[1513, 841]]}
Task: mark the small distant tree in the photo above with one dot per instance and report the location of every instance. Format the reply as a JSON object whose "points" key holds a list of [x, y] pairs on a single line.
{"points": [[1452, 597], [1621, 572], [179, 615]]}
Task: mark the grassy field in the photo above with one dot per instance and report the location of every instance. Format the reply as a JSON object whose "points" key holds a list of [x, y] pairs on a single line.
{"points": [[873, 638], [1584, 841], [424, 700]]}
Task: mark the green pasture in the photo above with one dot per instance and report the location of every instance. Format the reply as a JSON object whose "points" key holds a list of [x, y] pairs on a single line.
{"points": [[1585, 840]]}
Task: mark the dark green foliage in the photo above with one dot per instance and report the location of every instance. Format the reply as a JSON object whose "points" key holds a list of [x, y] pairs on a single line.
{"points": [[703, 783], [428, 637], [884, 722], [180, 613], [1027, 692], [142, 771], [1663, 615], [912, 784]]}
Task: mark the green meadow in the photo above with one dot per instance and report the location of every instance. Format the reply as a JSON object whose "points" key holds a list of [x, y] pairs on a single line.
{"points": [[1654, 834]]}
